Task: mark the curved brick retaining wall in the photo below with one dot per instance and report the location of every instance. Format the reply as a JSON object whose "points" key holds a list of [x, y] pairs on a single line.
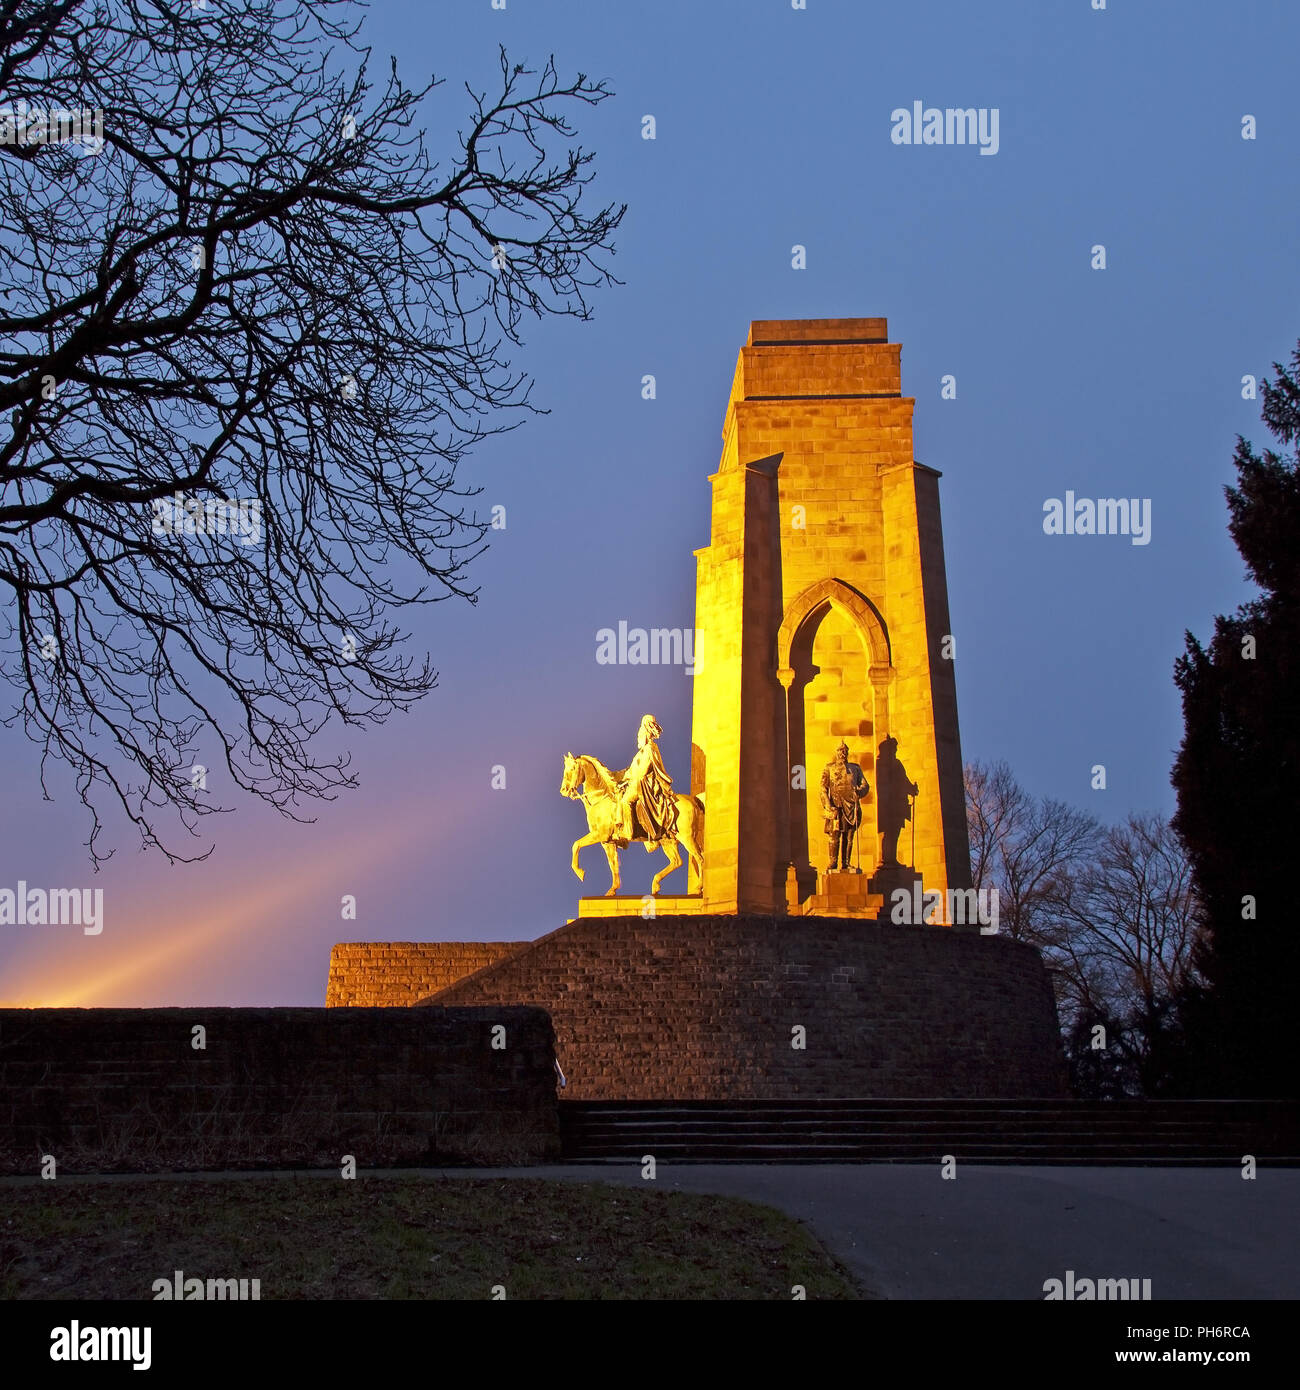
{"points": [[683, 1008]]}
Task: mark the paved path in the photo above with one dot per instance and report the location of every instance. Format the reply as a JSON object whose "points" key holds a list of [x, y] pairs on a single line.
{"points": [[997, 1232], [992, 1232]]}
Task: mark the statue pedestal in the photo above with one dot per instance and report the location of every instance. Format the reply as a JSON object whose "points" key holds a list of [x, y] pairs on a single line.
{"points": [[683, 905], [842, 893]]}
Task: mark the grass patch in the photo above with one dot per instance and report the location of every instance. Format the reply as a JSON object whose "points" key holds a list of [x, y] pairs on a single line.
{"points": [[405, 1238]]}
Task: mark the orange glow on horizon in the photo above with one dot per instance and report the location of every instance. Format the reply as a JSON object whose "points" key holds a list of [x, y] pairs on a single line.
{"points": [[153, 961]]}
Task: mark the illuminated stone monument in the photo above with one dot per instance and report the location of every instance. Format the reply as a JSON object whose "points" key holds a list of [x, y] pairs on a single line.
{"points": [[825, 775], [821, 616]]}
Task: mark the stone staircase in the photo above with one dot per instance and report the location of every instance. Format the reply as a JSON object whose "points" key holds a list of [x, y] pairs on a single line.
{"points": [[1020, 1132]]}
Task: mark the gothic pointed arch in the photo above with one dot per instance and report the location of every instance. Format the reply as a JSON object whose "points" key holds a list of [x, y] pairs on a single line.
{"points": [[860, 611]]}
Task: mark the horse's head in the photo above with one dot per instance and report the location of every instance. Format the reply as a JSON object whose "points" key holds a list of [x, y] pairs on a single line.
{"points": [[572, 778]]}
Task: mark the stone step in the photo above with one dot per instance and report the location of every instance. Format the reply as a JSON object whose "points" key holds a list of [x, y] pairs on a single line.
{"points": [[907, 1140], [1000, 1110], [921, 1129], [1015, 1158], [812, 1130], [869, 909], [700, 1152]]}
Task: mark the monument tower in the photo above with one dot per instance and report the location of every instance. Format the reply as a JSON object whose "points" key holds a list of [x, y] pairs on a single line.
{"points": [[825, 775], [821, 617]]}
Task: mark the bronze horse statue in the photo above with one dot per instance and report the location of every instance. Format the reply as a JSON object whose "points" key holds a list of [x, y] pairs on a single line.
{"points": [[588, 779]]}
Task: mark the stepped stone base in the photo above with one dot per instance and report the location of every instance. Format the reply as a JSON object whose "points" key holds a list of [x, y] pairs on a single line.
{"points": [[718, 1007], [683, 906], [843, 893]]}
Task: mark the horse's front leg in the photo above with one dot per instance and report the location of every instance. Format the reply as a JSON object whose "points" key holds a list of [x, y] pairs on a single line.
{"points": [[590, 839], [611, 853]]}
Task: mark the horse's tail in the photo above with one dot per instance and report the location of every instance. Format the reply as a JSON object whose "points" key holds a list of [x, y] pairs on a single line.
{"points": [[693, 836]]}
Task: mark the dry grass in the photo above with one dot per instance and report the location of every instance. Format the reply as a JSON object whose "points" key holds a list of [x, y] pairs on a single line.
{"points": [[404, 1238]]}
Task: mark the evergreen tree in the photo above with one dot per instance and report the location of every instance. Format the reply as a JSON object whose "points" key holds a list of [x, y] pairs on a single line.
{"points": [[1237, 777]]}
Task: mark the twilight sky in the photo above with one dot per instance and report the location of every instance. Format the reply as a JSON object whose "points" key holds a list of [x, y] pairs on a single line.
{"points": [[1119, 127]]}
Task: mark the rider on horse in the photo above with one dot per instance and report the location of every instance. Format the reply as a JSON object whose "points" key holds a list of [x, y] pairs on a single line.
{"points": [[646, 792]]}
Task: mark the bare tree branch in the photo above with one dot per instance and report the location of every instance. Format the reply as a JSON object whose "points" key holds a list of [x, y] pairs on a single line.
{"points": [[1110, 908], [243, 349]]}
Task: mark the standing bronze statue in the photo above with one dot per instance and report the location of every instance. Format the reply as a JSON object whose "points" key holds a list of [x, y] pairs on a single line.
{"points": [[894, 791], [843, 787]]}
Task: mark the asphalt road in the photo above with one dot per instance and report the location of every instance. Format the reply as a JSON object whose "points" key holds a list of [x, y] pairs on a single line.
{"points": [[999, 1233]]}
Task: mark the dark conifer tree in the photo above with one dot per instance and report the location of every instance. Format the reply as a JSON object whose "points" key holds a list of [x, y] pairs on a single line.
{"points": [[1237, 776]]}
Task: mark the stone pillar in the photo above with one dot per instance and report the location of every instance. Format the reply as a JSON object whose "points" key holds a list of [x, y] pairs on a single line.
{"points": [[739, 706]]}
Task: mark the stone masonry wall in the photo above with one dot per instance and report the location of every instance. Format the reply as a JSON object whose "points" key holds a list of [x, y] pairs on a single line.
{"points": [[704, 1007], [110, 1089], [387, 974]]}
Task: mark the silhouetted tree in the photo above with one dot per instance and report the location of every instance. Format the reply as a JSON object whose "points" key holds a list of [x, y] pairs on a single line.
{"points": [[243, 347], [1121, 943], [1111, 910], [1099, 1058], [1024, 846], [1237, 776]]}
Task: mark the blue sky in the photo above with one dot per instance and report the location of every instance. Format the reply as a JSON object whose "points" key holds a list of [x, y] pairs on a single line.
{"points": [[1119, 127]]}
